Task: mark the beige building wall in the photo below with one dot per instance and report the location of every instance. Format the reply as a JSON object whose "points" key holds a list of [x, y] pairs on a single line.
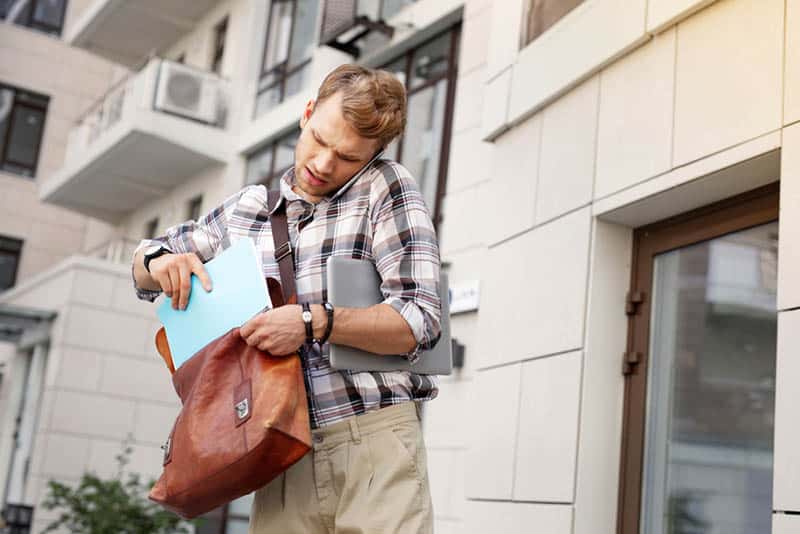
{"points": [[610, 121], [104, 381], [73, 79]]}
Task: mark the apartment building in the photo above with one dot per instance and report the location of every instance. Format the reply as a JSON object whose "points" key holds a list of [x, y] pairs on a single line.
{"points": [[44, 85], [609, 180]]}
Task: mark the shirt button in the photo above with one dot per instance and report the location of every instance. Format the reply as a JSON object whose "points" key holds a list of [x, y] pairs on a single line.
{"points": [[318, 439]]}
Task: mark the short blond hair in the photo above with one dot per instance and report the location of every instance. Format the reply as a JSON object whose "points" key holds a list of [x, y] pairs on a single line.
{"points": [[373, 100]]}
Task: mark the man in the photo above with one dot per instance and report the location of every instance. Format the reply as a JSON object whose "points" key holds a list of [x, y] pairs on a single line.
{"points": [[367, 470]]}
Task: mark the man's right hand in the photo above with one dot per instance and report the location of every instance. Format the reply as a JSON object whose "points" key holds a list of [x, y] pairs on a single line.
{"points": [[173, 272]]}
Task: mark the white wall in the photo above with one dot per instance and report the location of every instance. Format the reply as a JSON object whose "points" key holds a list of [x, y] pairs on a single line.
{"points": [[104, 378], [73, 80], [607, 111]]}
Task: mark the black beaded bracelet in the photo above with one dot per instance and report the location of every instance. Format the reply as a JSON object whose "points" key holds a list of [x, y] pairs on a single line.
{"points": [[328, 327]]}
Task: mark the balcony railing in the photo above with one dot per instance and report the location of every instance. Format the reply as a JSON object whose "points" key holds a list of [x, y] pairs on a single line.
{"points": [[162, 85], [149, 133], [118, 250]]}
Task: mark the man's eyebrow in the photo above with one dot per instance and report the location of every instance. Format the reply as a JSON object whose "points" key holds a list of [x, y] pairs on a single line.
{"points": [[323, 143]]}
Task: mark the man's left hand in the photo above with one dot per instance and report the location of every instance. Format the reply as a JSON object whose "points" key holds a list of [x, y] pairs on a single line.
{"points": [[279, 331]]}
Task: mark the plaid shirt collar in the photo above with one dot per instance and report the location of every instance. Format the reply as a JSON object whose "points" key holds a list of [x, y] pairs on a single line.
{"points": [[287, 181]]}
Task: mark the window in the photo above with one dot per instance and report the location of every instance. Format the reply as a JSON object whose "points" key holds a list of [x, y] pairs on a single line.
{"points": [[268, 164], [376, 10], [542, 14], [288, 46], [220, 32], [10, 251], [429, 74], [22, 115], [42, 15], [151, 228], [194, 207], [697, 436], [233, 518]]}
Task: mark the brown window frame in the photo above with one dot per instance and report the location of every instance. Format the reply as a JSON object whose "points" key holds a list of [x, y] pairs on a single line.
{"points": [[754, 208], [269, 180], [549, 11], [30, 22], [281, 71], [194, 207], [23, 99], [218, 54], [11, 246], [447, 132]]}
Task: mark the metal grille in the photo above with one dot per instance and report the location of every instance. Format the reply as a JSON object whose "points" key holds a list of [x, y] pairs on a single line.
{"points": [[338, 17]]}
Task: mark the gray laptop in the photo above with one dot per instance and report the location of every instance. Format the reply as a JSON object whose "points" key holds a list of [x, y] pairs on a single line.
{"points": [[356, 284]]}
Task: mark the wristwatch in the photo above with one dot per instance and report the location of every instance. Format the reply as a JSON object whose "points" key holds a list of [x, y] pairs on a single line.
{"points": [[153, 252], [306, 315]]}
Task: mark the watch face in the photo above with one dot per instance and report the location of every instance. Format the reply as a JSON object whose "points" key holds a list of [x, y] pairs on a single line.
{"points": [[151, 250], [307, 316]]}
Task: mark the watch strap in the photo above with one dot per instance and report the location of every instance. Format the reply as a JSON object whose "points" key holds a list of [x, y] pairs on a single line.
{"points": [[157, 254]]}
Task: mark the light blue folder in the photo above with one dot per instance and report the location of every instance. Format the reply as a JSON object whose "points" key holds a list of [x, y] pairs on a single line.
{"points": [[238, 292]]}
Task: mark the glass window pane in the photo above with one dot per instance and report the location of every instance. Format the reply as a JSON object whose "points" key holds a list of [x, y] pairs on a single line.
{"points": [[398, 68], [10, 250], [241, 506], [304, 36], [711, 387], [266, 100], [25, 136], [431, 61], [49, 12], [19, 12], [278, 34], [422, 140], [368, 8], [237, 526], [6, 105], [284, 153], [542, 14], [294, 83], [392, 7], [259, 165]]}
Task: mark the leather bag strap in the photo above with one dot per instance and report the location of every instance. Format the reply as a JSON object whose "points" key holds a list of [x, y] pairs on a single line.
{"points": [[283, 246]]}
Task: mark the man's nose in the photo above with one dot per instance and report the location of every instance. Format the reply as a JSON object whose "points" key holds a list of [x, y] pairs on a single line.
{"points": [[325, 162]]}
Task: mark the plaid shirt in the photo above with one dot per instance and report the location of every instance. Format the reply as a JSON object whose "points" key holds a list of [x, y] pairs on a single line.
{"points": [[380, 216]]}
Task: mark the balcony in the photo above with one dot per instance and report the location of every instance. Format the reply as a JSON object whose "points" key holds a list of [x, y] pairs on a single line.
{"points": [[147, 135], [126, 31]]}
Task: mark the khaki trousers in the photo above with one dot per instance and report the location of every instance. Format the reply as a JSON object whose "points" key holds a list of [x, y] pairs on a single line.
{"points": [[367, 474]]}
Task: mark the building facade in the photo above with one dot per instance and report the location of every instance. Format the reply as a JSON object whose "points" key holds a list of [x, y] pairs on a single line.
{"points": [[614, 186]]}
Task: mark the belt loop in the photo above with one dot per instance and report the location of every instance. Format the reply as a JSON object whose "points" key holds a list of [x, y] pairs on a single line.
{"points": [[354, 430]]}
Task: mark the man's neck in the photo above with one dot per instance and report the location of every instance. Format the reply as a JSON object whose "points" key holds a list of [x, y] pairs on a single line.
{"points": [[306, 196]]}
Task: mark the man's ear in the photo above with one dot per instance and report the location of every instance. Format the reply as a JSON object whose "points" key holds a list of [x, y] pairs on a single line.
{"points": [[309, 109]]}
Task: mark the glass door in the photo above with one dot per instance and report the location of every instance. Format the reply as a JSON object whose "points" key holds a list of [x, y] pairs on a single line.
{"points": [[711, 387], [697, 444]]}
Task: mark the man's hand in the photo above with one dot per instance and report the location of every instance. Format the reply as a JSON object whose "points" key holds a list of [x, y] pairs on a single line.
{"points": [[173, 272], [279, 331]]}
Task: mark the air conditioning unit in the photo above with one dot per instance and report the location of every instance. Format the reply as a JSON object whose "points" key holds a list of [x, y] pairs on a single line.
{"points": [[187, 92]]}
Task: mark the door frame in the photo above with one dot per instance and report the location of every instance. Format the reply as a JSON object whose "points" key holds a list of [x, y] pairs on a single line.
{"points": [[753, 208]]}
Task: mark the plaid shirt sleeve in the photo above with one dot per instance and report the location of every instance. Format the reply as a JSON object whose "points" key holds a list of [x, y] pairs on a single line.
{"points": [[407, 256], [204, 237]]}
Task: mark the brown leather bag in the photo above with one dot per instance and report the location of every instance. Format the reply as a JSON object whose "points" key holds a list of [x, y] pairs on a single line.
{"points": [[244, 418]]}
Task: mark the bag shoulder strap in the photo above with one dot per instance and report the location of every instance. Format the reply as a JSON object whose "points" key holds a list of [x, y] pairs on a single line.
{"points": [[283, 246]]}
